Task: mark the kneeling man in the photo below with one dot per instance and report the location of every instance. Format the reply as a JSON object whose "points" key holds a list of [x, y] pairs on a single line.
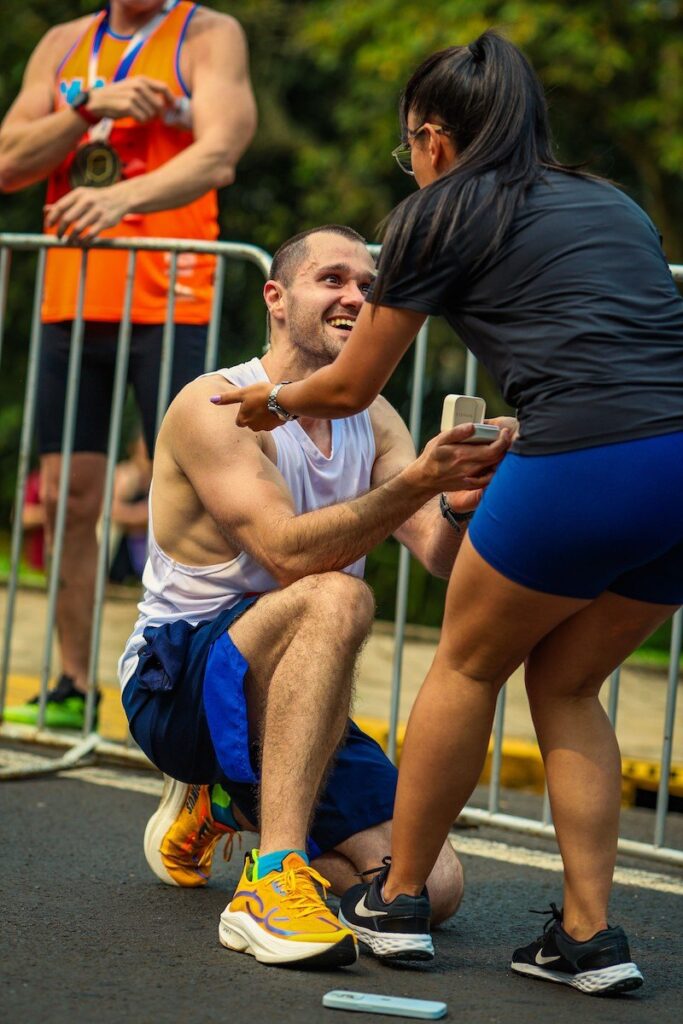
{"points": [[238, 676]]}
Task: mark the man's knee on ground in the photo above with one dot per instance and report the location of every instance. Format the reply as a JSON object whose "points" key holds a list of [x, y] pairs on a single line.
{"points": [[445, 885]]}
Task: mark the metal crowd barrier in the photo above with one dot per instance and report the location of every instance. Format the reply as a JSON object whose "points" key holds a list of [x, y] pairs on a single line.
{"points": [[492, 815], [41, 243]]}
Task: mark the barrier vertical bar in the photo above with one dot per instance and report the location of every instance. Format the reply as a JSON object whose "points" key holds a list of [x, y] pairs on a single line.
{"points": [[22, 471], [404, 555], [497, 757], [5, 257], [211, 358], [118, 397], [546, 816], [166, 368], [613, 700], [471, 368], [71, 401], [669, 716]]}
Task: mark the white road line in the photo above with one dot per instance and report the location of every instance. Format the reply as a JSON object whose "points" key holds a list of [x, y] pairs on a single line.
{"points": [[474, 847], [151, 785]]}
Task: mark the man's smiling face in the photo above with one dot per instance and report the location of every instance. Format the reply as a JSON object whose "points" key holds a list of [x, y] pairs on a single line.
{"points": [[326, 294]]}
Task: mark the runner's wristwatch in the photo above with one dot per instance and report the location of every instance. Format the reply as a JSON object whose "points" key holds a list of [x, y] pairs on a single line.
{"points": [[275, 407], [79, 105], [455, 519]]}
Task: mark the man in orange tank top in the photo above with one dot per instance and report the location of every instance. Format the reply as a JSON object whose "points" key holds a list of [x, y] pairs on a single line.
{"points": [[136, 115]]}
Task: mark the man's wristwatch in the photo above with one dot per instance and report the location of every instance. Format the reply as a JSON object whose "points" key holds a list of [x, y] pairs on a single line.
{"points": [[275, 407], [79, 104], [455, 519]]}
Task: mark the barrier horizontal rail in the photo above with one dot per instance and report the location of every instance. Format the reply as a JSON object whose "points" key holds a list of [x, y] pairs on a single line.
{"points": [[253, 253], [656, 850]]}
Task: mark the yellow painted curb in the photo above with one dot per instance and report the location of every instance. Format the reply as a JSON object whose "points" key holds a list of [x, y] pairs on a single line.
{"points": [[522, 765]]}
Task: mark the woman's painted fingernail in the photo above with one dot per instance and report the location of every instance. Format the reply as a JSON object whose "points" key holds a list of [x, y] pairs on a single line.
{"points": [[215, 399]]}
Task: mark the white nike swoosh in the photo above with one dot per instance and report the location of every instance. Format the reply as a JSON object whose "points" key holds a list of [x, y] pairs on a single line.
{"points": [[363, 911], [541, 960]]}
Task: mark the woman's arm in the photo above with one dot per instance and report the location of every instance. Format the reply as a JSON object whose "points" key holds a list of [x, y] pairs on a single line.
{"points": [[348, 385]]}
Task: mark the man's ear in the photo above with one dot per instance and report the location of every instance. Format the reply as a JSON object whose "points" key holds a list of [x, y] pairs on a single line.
{"points": [[274, 298]]}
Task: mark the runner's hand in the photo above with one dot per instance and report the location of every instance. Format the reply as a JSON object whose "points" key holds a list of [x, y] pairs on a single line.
{"points": [[81, 214], [253, 410], [139, 97]]}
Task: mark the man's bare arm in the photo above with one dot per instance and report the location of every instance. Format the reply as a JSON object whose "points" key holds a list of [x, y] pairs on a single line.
{"points": [[223, 123], [248, 499]]}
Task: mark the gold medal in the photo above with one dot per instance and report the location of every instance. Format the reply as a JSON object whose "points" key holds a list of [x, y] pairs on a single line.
{"points": [[95, 165]]}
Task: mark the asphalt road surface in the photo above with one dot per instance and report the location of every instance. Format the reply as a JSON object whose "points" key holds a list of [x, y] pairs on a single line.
{"points": [[89, 935]]}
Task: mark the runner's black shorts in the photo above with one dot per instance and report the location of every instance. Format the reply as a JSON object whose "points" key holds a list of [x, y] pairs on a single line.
{"points": [[100, 342]]}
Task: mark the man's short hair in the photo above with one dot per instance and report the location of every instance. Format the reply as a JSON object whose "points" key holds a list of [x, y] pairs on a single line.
{"points": [[293, 252]]}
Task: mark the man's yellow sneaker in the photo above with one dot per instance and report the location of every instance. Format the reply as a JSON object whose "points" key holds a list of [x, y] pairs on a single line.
{"points": [[282, 918], [182, 835]]}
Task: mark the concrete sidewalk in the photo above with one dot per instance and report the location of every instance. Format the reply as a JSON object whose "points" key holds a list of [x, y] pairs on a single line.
{"points": [[640, 718]]}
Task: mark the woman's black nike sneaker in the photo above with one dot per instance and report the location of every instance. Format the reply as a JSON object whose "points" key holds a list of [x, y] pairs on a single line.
{"points": [[398, 930], [599, 966]]}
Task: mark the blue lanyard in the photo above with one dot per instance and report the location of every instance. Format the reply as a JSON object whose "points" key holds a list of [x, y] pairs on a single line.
{"points": [[134, 46]]}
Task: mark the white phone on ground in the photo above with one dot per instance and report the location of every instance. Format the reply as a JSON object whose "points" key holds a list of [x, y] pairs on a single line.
{"points": [[396, 1006], [458, 409]]}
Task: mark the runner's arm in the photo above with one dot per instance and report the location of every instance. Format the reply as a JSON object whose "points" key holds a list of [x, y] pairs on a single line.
{"points": [[34, 138], [223, 122]]}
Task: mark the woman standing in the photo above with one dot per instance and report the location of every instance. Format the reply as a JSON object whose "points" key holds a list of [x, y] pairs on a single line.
{"points": [[557, 282]]}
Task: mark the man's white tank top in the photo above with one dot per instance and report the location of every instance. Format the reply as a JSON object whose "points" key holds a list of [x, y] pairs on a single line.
{"points": [[198, 593]]}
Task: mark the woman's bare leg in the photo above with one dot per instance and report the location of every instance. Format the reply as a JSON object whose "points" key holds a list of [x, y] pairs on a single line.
{"points": [[574, 645], [490, 624], [583, 768]]}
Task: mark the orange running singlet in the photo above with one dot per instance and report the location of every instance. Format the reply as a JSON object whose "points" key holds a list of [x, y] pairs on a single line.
{"points": [[140, 148]]}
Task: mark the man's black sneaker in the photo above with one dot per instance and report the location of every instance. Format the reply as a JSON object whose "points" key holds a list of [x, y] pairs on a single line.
{"points": [[64, 709], [599, 966], [398, 930]]}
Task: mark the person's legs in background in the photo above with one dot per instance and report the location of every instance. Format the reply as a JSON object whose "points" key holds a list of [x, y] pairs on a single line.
{"points": [[189, 349], [66, 701]]}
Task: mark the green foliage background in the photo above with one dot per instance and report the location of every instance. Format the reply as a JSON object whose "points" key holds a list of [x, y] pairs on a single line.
{"points": [[327, 75]]}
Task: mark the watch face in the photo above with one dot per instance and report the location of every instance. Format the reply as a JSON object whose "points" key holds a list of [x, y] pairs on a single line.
{"points": [[79, 99]]}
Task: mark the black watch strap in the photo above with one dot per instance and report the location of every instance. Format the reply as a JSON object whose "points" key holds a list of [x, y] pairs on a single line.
{"points": [[455, 519], [79, 106]]}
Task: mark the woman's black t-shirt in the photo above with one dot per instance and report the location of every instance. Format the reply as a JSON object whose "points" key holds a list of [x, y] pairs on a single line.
{"points": [[576, 316]]}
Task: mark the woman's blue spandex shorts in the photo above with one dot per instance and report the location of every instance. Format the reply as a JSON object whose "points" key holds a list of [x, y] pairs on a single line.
{"points": [[578, 523]]}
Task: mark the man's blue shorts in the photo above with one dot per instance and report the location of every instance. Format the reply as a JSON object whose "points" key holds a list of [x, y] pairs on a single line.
{"points": [[186, 709], [579, 523]]}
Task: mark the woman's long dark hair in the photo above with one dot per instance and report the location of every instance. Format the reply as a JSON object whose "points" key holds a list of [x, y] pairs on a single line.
{"points": [[488, 96]]}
